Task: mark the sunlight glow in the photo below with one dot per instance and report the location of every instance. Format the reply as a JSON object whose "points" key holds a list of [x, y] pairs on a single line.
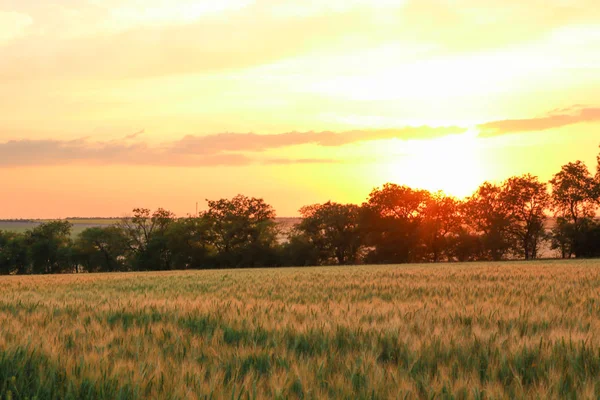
{"points": [[160, 103], [452, 164]]}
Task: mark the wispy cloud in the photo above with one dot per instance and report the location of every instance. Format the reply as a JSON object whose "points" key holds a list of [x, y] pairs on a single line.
{"points": [[211, 150], [255, 142], [18, 153], [239, 149], [554, 119]]}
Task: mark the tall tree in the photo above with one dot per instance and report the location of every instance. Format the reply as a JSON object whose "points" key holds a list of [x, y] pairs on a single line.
{"points": [[13, 253], [574, 202], [598, 169], [441, 219], [597, 180], [244, 231], [146, 238], [102, 249], [189, 241], [333, 229], [526, 200], [391, 218], [487, 217], [48, 246], [573, 194]]}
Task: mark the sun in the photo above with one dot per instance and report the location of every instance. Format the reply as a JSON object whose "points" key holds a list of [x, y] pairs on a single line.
{"points": [[452, 164]]}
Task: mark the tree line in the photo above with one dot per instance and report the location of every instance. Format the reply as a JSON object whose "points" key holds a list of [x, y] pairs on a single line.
{"points": [[396, 224]]}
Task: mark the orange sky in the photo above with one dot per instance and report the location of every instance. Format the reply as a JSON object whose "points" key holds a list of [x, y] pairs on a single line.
{"points": [[113, 104]]}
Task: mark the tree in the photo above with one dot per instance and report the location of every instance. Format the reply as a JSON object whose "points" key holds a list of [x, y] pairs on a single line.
{"points": [[587, 243], [244, 231], [102, 249], [390, 220], [333, 229], [297, 251], [562, 236], [188, 240], [574, 203], [465, 245], [487, 217], [573, 192], [440, 220], [597, 180], [525, 199], [13, 253], [48, 246], [598, 170], [146, 238], [142, 225]]}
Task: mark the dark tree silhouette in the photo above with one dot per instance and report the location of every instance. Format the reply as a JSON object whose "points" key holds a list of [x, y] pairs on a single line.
{"points": [[488, 217], [244, 231], [14, 257], [189, 241], [391, 220], [573, 192], [574, 203], [103, 249], [146, 238], [333, 229], [441, 221], [49, 247], [526, 200]]}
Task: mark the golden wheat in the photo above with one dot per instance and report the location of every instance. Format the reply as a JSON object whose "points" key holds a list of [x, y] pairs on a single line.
{"points": [[456, 330]]}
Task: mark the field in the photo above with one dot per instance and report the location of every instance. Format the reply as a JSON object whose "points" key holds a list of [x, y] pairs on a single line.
{"points": [[416, 331], [79, 224]]}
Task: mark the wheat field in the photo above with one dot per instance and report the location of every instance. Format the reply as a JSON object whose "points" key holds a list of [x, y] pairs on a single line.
{"points": [[495, 330]]}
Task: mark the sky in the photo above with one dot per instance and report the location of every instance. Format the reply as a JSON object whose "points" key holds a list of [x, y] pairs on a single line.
{"points": [[107, 105]]}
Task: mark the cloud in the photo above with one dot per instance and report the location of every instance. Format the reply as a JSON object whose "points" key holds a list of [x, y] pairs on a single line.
{"points": [[212, 150], [21, 153], [255, 142], [240, 149], [554, 119], [136, 134]]}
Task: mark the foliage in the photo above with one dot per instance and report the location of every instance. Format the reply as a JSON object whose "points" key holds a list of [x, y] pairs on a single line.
{"points": [[488, 217], [573, 192], [333, 230], [49, 247], [14, 256], [103, 249], [441, 222], [391, 219], [243, 231], [526, 200], [189, 241]]}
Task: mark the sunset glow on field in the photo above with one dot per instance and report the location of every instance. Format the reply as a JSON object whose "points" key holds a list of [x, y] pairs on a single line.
{"points": [[299, 199], [109, 105]]}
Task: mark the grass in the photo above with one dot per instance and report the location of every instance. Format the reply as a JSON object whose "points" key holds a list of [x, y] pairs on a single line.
{"points": [[480, 330]]}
